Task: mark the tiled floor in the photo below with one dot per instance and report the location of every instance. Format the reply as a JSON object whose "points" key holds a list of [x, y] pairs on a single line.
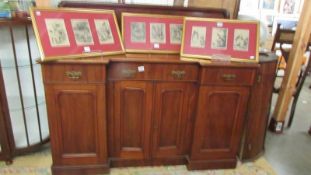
{"points": [[290, 152]]}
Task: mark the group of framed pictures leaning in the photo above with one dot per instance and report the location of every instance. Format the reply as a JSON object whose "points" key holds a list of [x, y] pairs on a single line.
{"points": [[70, 33]]}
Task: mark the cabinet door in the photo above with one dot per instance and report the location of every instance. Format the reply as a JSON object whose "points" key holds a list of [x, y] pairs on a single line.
{"points": [[258, 111], [173, 109], [218, 126], [132, 119], [77, 120]]}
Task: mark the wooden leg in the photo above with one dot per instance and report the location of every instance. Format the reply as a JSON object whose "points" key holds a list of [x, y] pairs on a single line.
{"points": [[8, 162], [292, 110], [276, 126], [309, 131]]}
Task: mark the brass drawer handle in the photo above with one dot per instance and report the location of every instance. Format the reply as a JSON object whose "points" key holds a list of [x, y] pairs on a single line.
{"points": [[74, 75], [178, 74], [228, 77], [128, 73]]}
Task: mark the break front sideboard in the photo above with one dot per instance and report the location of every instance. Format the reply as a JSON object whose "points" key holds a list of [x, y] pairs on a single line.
{"points": [[155, 109], [105, 112]]}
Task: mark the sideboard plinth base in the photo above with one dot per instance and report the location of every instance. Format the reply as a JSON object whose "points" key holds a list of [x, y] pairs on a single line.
{"points": [[177, 160], [211, 164], [80, 170]]}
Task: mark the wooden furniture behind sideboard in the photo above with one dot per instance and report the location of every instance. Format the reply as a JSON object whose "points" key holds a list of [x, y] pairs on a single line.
{"points": [[104, 113]]}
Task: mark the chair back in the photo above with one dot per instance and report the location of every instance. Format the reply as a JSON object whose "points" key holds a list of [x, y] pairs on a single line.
{"points": [[285, 36]]}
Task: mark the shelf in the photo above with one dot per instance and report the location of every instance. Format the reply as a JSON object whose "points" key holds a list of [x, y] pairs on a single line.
{"points": [[29, 103], [22, 63], [18, 128], [15, 20]]}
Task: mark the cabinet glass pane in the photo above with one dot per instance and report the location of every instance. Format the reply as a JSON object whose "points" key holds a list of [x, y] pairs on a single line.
{"points": [[23, 87]]}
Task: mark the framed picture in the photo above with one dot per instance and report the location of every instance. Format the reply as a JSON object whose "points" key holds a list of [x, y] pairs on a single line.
{"points": [[76, 33], [248, 6], [208, 38], [267, 18], [290, 7], [268, 5], [145, 33]]}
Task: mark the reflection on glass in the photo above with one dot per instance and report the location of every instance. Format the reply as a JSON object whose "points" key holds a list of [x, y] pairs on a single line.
{"points": [[20, 85]]}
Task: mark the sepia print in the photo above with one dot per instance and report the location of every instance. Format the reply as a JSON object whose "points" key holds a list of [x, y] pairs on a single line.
{"points": [[175, 33], [57, 32], [219, 38], [241, 40], [103, 31], [82, 31], [157, 33], [289, 6], [267, 4], [198, 37], [138, 32]]}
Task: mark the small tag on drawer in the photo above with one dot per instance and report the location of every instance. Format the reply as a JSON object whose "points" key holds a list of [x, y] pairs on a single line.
{"points": [[141, 68], [87, 49], [252, 57], [156, 45]]}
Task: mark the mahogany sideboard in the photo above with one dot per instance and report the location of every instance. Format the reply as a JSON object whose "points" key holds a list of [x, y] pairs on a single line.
{"points": [[152, 109]]}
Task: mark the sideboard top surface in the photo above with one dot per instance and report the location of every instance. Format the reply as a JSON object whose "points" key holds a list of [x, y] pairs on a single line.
{"points": [[159, 59]]}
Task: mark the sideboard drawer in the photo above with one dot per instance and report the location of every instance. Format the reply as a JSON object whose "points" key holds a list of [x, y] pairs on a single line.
{"points": [[74, 73], [153, 71], [131, 71], [228, 76], [180, 72]]}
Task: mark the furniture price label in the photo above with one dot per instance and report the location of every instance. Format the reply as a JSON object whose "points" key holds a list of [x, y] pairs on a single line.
{"points": [[87, 49], [141, 68], [156, 45]]}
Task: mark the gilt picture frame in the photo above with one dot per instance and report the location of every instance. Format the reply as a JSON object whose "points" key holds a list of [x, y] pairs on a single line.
{"points": [[206, 38], [151, 33], [64, 33]]}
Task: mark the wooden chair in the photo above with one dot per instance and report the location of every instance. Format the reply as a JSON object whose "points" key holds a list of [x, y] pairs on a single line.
{"points": [[286, 37]]}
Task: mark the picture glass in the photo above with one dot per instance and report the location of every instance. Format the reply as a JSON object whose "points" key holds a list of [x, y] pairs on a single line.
{"points": [[219, 38], [268, 4], [206, 38], [64, 33], [151, 33], [57, 32], [290, 6], [241, 40], [138, 32], [247, 6], [157, 33], [82, 31], [103, 31], [175, 33], [198, 37]]}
